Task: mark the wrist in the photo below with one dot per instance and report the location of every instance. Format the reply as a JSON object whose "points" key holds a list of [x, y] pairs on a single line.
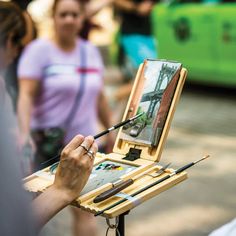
{"points": [[129, 6], [25, 137], [62, 194]]}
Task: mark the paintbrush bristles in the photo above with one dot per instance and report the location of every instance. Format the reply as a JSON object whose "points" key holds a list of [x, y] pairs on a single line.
{"points": [[207, 156], [204, 158]]}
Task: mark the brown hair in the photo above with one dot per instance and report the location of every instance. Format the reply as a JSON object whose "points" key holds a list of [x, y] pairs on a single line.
{"points": [[11, 22], [55, 3]]}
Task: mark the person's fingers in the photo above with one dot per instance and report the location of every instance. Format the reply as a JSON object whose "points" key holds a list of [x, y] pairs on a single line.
{"points": [[85, 145], [92, 151], [72, 145], [75, 166], [77, 157]]}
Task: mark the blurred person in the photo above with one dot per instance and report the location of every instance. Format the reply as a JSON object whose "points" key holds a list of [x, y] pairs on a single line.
{"points": [[17, 216], [12, 81], [31, 33], [136, 42], [61, 92], [91, 9], [228, 229]]}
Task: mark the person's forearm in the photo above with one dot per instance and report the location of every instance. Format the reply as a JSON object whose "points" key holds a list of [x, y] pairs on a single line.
{"points": [[105, 118], [48, 204], [94, 7], [24, 109], [126, 5], [104, 111]]}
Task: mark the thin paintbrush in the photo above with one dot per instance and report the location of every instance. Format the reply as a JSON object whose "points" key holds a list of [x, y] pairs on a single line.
{"points": [[101, 134], [118, 125], [181, 169]]}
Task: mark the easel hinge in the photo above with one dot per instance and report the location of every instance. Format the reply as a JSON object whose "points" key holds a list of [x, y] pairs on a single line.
{"points": [[133, 154]]}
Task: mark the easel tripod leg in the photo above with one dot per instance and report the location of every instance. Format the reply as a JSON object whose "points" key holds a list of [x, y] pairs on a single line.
{"points": [[121, 224]]}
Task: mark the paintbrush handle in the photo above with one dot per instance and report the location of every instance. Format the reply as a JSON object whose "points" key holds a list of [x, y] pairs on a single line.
{"points": [[48, 162], [190, 164], [112, 191], [112, 128], [101, 134], [181, 169]]}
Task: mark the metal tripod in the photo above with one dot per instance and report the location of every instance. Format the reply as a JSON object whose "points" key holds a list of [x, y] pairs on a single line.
{"points": [[121, 224]]}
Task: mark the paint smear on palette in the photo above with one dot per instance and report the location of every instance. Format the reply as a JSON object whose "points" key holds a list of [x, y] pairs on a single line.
{"points": [[106, 172], [109, 166]]}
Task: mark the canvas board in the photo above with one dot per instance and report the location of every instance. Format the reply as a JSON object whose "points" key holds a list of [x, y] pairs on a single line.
{"points": [[160, 79]]}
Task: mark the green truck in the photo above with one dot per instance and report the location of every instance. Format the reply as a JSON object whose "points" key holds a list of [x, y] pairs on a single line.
{"points": [[201, 35]]}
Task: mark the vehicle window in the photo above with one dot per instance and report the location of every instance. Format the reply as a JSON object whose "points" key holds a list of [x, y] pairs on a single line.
{"points": [[211, 1], [189, 1], [225, 1]]}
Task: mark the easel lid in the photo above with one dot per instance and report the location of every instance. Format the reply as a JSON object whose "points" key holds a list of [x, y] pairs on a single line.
{"points": [[163, 102]]}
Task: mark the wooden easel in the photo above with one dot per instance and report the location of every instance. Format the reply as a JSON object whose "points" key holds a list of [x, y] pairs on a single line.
{"points": [[148, 159]]}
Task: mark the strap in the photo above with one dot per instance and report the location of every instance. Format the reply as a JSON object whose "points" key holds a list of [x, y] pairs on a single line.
{"points": [[135, 201], [81, 89]]}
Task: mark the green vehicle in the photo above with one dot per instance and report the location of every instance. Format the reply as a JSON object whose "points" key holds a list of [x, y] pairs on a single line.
{"points": [[201, 35]]}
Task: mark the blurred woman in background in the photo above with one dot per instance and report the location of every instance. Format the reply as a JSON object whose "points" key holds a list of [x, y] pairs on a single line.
{"points": [[61, 88]]}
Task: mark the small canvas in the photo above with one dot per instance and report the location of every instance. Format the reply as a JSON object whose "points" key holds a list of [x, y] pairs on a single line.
{"points": [[156, 92]]}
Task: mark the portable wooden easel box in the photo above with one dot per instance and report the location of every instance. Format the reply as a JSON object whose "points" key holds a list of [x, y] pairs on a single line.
{"points": [[138, 147]]}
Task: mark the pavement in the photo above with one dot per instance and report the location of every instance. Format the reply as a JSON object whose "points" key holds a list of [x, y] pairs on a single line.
{"points": [[204, 123]]}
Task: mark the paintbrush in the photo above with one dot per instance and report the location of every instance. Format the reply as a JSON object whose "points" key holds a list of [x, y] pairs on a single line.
{"points": [[181, 169], [57, 158]]}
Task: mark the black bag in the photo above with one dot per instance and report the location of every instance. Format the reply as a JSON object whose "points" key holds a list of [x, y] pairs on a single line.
{"points": [[49, 143]]}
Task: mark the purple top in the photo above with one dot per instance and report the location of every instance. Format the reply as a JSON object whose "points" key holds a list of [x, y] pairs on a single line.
{"points": [[59, 73]]}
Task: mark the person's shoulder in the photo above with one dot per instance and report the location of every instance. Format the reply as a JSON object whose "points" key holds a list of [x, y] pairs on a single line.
{"points": [[36, 53], [39, 44]]}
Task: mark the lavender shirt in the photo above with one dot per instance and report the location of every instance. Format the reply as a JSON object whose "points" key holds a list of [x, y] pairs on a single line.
{"points": [[60, 77]]}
